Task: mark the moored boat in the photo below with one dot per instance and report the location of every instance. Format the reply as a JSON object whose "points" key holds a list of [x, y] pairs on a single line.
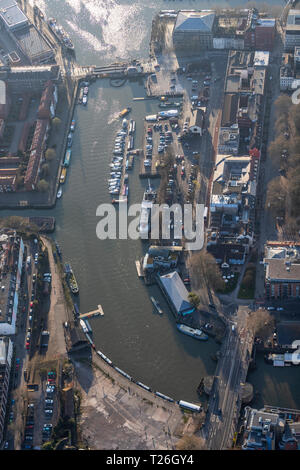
{"points": [[71, 279], [156, 305], [80, 95], [194, 332], [59, 193], [70, 139], [60, 34], [63, 175], [67, 157]]}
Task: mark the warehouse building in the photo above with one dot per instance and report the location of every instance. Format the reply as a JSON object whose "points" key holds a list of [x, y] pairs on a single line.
{"points": [[176, 294]]}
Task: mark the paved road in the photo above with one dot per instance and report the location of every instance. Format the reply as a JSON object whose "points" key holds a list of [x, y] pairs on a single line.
{"points": [[268, 172], [58, 311], [225, 401]]}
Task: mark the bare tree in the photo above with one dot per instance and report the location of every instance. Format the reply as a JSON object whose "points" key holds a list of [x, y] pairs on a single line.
{"points": [[204, 266], [191, 442]]}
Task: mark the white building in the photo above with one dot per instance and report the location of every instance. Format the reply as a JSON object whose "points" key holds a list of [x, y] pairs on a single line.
{"points": [[261, 59], [197, 122], [12, 16], [292, 30]]}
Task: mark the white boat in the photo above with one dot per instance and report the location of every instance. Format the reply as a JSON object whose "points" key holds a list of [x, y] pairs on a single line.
{"points": [[194, 332], [156, 305], [83, 326], [151, 118], [59, 193], [146, 206]]}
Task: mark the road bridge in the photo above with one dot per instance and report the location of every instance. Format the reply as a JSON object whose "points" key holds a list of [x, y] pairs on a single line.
{"points": [[226, 395]]}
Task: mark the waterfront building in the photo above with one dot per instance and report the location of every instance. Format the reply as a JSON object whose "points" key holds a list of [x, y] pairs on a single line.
{"points": [[193, 31], [6, 354], [159, 258], [260, 429], [176, 294], [271, 428], [27, 37], [12, 16], [282, 270], [11, 260], [292, 30]]}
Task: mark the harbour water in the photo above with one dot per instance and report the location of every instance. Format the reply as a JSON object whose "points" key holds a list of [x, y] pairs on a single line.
{"points": [[131, 333]]}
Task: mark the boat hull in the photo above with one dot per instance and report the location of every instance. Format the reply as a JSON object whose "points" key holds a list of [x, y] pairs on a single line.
{"points": [[202, 337]]}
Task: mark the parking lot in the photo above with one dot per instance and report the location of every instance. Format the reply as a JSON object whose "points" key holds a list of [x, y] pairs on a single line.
{"points": [[41, 413]]}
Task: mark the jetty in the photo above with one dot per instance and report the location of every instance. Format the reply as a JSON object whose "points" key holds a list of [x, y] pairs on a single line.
{"points": [[94, 313]]}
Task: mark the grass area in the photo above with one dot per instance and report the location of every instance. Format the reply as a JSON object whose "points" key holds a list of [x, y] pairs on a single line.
{"points": [[247, 289]]}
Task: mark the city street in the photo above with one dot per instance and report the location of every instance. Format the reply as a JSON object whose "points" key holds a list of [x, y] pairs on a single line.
{"points": [[225, 398]]}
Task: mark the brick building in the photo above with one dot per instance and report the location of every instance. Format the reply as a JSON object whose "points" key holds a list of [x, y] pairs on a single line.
{"points": [[282, 270], [265, 34]]}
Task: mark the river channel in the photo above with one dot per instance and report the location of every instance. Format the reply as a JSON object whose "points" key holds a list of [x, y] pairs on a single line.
{"points": [[139, 341]]}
